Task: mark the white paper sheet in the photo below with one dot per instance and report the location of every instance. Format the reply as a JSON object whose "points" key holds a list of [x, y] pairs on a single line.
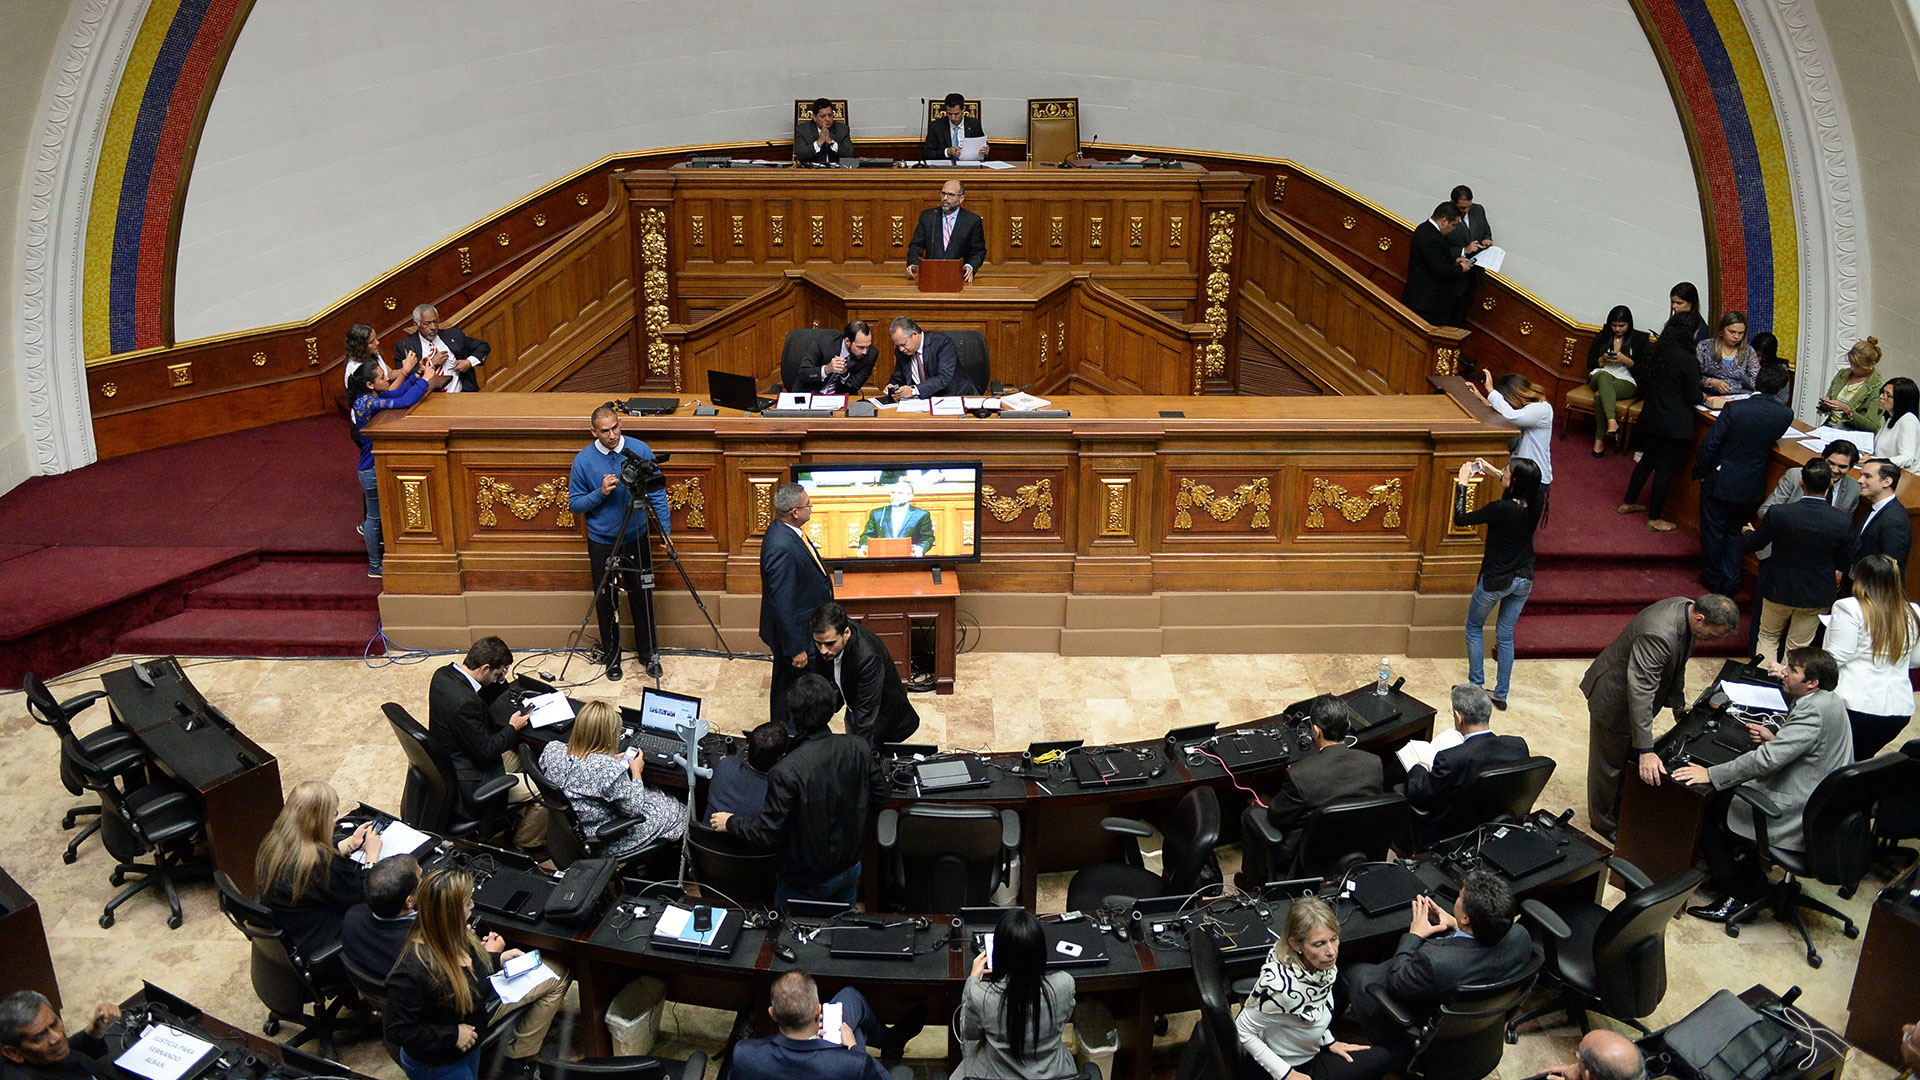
{"points": [[164, 1054], [512, 990], [947, 406], [1421, 752], [973, 149], [677, 923], [1490, 258], [1021, 401], [996, 165], [827, 401], [982, 402], [1817, 439], [398, 838], [792, 400], [1754, 697], [915, 405], [548, 710]]}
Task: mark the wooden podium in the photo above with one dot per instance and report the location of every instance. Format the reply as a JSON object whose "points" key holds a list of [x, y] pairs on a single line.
{"points": [[942, 275], [889, 602]]}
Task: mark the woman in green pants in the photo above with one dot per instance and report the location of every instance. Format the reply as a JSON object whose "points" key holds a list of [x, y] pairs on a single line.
{"points": [[1610, 361]]}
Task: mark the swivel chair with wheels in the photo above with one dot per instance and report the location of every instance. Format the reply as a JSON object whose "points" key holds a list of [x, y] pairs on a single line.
{"points": [[162, 820], [937, 855], [1838, 827], [1464, 1040], [1335, 837], [1498, 794], [1186, 856], [731, 867], [802, 340], [1609, 961], [568, 839], [113, 748], [431, 800], [1896, 816], [1213, 1051], [286, 981]]}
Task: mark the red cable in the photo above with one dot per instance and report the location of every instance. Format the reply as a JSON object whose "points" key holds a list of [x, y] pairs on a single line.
{"points": [[1257, 800]]}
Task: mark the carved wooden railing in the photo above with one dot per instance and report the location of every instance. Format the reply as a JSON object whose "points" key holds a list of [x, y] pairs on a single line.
{"points": [[1120, 346], [1331, 323]]}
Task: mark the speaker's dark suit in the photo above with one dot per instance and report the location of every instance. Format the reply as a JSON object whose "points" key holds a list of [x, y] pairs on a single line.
{"points": [[917, 527], [869, 682], [458, 344], [1318, 780], [969, 240], [1812, 539], [804, 152], [1424, 974], [1434, 280], [792, 585], [940, 135], [1432, 791], [813, 368], [458, 719], [1732, 469], [1889, 533], [941, 362]]}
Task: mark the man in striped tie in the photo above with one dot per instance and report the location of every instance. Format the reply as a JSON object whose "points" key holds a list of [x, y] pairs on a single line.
{"points": [[793, 583], [948, 231]]}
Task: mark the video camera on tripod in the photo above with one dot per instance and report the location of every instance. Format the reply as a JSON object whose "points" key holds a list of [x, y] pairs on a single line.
{"points": [[641, 476]]}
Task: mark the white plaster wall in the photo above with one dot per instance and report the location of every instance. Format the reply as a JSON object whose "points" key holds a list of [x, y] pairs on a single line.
{"points": [[1877, 53], [32, 31], [345, 137]]}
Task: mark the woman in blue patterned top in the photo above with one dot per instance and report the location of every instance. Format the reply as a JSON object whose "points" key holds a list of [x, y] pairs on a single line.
{"points": [[366, 402], [1285, 1024], [600, 786], [1728, 365]]}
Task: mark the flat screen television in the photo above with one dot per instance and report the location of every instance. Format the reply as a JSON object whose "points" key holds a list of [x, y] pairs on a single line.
{"points": [[892, 514]]}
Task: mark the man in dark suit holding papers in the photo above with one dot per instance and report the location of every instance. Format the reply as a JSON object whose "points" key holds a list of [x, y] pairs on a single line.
{"points": [[945, 132]]}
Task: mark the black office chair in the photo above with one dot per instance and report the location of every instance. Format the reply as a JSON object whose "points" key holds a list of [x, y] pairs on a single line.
{"points": [[1213, 1051], [1613, 962], [1896, 816], [803, 340], [431, 799], [937, 855], [569, 840], [113, 748], [970, 348], [285, 981], [163, 820], [1465, 1039], [1186, 856], [1838, 828], [1500, 793], [636, 1067], [1335, 837], [731, 867]]}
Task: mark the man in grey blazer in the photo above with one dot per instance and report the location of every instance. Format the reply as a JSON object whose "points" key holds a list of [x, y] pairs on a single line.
{"points": [[1642, 672], [820, 139], [1785, 766]]}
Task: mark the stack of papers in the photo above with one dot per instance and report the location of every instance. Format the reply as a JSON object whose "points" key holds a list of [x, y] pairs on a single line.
{"points": [[947, 406], [1021, 401], [513, 988], [548, 710], [398, 838], [811, 401], [1420, 752], [1751, 696], [677, 923], [1817, 439], [1490, 258]]}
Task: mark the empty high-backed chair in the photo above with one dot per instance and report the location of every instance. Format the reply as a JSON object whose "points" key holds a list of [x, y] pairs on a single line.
{"points": [[1186, 859], [938, 855], [112, 748], [1335, 837], [162, 820], [1053, 130]]}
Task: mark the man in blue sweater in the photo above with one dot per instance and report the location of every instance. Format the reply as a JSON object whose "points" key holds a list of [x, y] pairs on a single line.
{"points": [[596, 493]]}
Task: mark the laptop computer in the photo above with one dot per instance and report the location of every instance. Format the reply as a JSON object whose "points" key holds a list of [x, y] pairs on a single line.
{"points": [[1103, 769], [1383, 888], [894, 942], [655, 726], [1517, 852], [1239, 750], [953, 774], [816, 909], [730, 391], [652, 406]]}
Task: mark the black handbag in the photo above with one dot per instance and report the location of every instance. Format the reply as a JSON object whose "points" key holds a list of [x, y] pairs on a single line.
{"points": [[1726, 1039], [577, 895]]}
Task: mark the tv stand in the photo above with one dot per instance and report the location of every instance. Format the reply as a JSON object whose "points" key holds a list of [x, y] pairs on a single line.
{"points": [[889, 602]]}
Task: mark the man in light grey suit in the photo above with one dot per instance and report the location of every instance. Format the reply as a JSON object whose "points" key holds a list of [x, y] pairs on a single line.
{"points": [[1786, 766], [1642, 672]]}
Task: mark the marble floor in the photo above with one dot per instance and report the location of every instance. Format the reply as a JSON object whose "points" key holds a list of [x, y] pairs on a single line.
{"points": [[322, 719]]}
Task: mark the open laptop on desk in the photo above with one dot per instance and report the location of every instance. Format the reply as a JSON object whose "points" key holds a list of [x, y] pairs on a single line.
{"points": [[1107, 768], [730, 391], [654, 727], [1084, 944]]}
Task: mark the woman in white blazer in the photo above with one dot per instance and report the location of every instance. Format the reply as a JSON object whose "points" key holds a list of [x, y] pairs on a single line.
{"points": [[1875, 637]]}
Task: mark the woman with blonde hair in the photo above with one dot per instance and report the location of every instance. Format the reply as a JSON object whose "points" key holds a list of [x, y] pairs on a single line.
{"points": [[1853, 401], [439, 997], [1286, 1021], [304, 877], [600, 786], [1875, 637]]}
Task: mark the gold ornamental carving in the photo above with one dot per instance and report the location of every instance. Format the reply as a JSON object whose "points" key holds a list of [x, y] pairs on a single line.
{"points": [[739, 230], [762, 503], [1037, 496], [1473, 502], [676, 369], [259, 359], [813, 533], [653, 289], [1219, 290], [1199, 369], [1566, 352], [859, 231], [1348, 222], [1486, 303], [1526, 328], [1016, 231], [503, 239], [966, 534], [466, 260], [697, 230], [779, 223], [817, 225], [1056, 233], [899, 230], [1043, 348], [1354, 508], [1096, 231], [108, 389], [1257, 493], [1279, 188], [1385, 243], [854, 529], [416, 512], [1060, 336], [580, 197], [1176, 231], [1446, 361], [1050, 110], [180, 374], [313, 352], [525, 507], [689, 495], [539, 221], [390, 303], [1136, 231], [1115, 519]]}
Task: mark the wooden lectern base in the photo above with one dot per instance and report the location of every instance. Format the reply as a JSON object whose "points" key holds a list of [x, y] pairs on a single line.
{"points": [[942, 275], [890, 601]]}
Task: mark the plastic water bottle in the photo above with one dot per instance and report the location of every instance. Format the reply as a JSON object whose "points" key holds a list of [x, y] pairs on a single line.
{"points": [[1386, 676]]}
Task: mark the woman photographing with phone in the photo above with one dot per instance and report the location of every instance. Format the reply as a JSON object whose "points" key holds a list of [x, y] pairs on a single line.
{"points": [[1012, 1009], [1286, 1021], [1506, 567]]}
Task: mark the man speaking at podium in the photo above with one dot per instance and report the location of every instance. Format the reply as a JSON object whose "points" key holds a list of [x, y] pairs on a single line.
{"points": [[900, 519], [948, 231]]}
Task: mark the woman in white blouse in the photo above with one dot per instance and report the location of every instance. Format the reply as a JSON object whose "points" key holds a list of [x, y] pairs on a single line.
{"points": [[1524, 405], [1875, 636], [1899, 438], [1284, 1025]]}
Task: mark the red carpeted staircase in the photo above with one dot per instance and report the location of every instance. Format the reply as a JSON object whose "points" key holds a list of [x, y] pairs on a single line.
{"points": [[236, 544], [1594, 567]]}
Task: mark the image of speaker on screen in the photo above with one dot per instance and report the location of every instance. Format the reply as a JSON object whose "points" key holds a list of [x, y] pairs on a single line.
{"points": [[896, 521]]}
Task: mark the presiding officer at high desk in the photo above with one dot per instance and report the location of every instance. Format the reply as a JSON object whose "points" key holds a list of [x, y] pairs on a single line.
{"points": [[596, 492], [945, 132], [948, 231], [820, 139]]}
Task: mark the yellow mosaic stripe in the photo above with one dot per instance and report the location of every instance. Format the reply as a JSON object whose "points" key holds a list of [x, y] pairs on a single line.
{"points": [[111, 170]]}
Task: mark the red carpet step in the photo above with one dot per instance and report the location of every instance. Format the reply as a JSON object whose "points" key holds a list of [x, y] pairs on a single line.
{"points": [[295, 585], [228, 632], [1583, 637], [1564, 588]]}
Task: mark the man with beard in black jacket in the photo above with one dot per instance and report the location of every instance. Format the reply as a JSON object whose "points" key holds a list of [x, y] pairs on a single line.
{"points": [[820, 799]]}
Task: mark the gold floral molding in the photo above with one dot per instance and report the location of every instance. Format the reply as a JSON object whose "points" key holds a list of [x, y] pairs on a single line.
{"points": [[1257, 493], [689, 495], [1016, 231], [1353, 507], [552, 493], [313, 352], [466, 260], [1136, 231], [1116, 521], [1037, 496], [1566, 352], [417, 510], [779, 238], [1446, 361], [1056, 233], [653, 267], [1473, 501], [1176, 231], [1219, 291], [697, 230], [854, 529], [859, 230], [1279, 187], [180, 374], [762, 503], [817, 229], [739, 230], [898, 227], [1096, 232]]}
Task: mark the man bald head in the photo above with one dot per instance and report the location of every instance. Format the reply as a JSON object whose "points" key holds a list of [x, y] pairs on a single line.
{"points": [[1608, 1055]]}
